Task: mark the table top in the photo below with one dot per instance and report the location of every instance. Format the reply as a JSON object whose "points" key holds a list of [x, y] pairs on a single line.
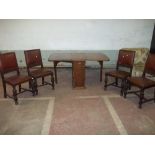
{"points": [[78, 57]]}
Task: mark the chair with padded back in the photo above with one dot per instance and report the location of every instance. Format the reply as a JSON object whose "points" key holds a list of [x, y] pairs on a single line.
{"points": [[124, 67], [11, 76], [35, 67], [143, 82]]}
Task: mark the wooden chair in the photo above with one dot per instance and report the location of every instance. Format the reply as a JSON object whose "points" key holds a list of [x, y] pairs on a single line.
{"points": [[124, 67], [10, 75], [142, 83], [35, 67]]}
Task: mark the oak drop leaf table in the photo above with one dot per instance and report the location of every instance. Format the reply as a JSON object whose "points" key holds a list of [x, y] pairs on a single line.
{"points": [[78, 65]]}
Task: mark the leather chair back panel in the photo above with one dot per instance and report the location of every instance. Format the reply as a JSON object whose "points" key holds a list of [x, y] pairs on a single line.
{"points": [[33, 58], [126, 58], [8, 62], [150, 65]]}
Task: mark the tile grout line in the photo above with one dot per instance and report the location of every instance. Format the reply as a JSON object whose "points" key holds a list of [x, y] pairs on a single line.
{"points": [[30, 98], [86, 97], [48, 117], [49, 112], [115, 116], [48, 98], [90, 97]]}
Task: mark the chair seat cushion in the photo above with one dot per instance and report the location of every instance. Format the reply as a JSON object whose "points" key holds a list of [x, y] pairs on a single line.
{"points": [[41, 73], [141, 82], [17, 79], [118, 74]]}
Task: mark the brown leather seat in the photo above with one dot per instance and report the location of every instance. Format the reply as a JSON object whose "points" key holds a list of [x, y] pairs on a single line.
{"points": [[124, 67], [143, 82], [35, 67], [40, 72], [10, 75], [16, 80], [119, 74]]}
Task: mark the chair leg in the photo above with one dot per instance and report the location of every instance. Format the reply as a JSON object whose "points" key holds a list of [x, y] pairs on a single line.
{"points": [[4, 88], [29, 84], [15, 95], [36, 86], [122, 87], [154, 95], [126, 87], [42, 80], [141, 98], [33, 86], [116, 81], [105, 82], [52, 81], [20, 88]]}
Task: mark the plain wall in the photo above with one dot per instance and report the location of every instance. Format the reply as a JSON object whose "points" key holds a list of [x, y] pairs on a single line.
{"points": [[62, 34]]}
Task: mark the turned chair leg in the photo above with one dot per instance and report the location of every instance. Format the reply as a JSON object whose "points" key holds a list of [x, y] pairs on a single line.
{"points": [[35, 84], [15, 95], [20, 88], [141, 98], [116, 81], [126, 87], [4, 88], [105, 82], [122, 87], [42, 80], [52, 81], [154, 95], [29, 84]]}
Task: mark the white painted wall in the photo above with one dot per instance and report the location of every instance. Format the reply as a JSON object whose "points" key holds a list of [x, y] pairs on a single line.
{"points": [[75, 34]]}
